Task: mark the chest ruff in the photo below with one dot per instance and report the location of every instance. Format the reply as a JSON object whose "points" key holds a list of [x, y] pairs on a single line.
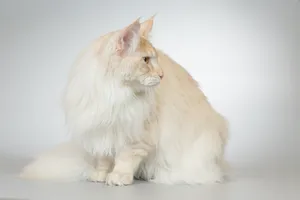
{"points": [[116, 126]]}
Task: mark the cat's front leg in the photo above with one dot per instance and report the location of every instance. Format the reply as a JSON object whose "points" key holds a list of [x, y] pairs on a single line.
{"points": [[103, 166], [127, 163]]}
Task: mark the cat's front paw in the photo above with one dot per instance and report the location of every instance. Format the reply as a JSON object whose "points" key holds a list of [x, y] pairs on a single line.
{"points": [[119, 179], [97, 176]]}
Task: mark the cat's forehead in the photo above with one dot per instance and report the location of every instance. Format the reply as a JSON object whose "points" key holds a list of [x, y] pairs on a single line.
{"points": [[145, 47]]}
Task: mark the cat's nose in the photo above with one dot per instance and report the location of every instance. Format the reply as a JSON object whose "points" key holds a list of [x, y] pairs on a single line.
{"points": [[161, 76]]}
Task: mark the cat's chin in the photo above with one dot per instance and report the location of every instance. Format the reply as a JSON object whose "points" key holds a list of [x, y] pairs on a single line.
{"points": [[141, 89]]}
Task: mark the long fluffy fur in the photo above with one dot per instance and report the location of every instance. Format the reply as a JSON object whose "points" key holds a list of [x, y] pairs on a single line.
{"points": [[188, 136], [66, 162]]}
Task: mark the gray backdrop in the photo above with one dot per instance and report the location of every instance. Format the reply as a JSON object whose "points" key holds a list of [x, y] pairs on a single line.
{"points": [[245, 54]]}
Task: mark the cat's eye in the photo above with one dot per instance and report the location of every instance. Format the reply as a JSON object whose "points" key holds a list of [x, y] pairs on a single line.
{"points": [[146, 59]]}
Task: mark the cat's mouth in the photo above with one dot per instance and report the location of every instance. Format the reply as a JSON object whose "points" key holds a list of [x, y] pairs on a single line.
{"points": [[151, 81], [141, 85]]}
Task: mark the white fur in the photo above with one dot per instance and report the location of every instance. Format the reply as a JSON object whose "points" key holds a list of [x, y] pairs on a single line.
{"points": [[66, 162], [184, 141]]}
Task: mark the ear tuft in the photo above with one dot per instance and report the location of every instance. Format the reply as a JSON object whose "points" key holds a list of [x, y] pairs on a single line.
{"points": [[128, 39], [146, 27]]}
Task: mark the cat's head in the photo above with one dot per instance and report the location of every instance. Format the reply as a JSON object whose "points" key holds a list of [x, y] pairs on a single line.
{"points": [[131, 57]]}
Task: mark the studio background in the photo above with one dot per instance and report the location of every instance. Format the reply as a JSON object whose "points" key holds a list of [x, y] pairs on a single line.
{"points": [[244, 54]]}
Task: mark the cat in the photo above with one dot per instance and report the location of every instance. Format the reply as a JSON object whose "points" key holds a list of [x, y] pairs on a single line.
{"points": [[133, 112]]}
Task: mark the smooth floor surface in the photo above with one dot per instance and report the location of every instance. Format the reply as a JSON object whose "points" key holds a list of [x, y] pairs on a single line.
{"points": [[246, 184]]}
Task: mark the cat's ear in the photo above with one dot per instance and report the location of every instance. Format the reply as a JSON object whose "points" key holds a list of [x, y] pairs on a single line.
{"points": [[146, 27], [128, 38]]}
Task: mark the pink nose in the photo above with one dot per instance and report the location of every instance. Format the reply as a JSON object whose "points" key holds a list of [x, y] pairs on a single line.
{"points": [[161, 76]]}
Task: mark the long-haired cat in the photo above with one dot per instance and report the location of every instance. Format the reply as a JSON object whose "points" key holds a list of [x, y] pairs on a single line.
{"points": [[134, 112]]}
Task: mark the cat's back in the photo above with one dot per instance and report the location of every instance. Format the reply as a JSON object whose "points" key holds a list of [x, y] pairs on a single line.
{"points": [[181, 99], [177, 81]]}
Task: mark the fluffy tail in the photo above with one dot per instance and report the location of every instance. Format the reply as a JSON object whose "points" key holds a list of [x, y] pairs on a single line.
{"points": [[66, 162]]}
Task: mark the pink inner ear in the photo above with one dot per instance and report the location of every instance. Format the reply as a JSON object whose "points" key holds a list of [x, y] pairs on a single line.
{"points": [[128, 38]]}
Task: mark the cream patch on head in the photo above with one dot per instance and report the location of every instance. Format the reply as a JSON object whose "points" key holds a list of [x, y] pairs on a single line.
{"points": [[145, 47]]}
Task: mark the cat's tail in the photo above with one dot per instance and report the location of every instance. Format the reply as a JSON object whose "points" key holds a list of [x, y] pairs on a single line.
{"points": [[65, 162]]}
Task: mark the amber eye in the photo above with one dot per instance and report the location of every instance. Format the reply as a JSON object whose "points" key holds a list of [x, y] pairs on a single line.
{"points": [[146, 59]]}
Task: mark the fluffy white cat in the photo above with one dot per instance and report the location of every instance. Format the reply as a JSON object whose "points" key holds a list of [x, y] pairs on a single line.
{"points": [[134, 112]]}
